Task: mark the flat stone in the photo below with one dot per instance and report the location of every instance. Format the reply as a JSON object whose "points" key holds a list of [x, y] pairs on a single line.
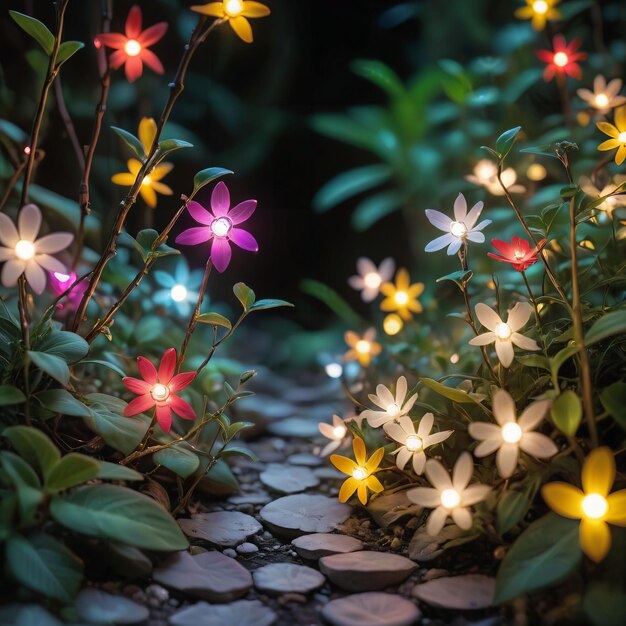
{"points": [[288, 478], [279, 578], [306, 459], [98, 607], [366, 571], [294, 427], [257, 497], [223, 528], [295, 515], [371, 609], [317, 545], [211, 576], [472, 591], [239, 613], [247, 548]]}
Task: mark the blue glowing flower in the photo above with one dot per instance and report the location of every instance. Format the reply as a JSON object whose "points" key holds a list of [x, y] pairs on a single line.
{"points": [[180, 288]]}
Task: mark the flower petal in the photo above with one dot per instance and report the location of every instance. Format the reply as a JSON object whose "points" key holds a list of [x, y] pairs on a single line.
{"points": [[343, 464], [504, 350], [147, 370], [199, 213], [617, 508], [220, 199], [487, 316], [242, 211], [35, 277], [439, 243], [358, 447], [424, 496], [401, 389], [595, 539], [525, 343], [473, 215], [474, 493], [139, 405], [598, 473], [182, 408], [533, 414], [460, 208], [194, 236], [564, 499], [212, 9], [164, 417], [180, 381], [462, 472], [133, 22], [538, 445], [51, 264], [347, 489], [243, 239], [29, 222], [439, 220], [462, 518], [519, 315], [133, 68], [506, 459], [487, 447], [220, 254], [11, 271], [242, 27], [112, 40], [167, 366], [8, 233], [53, 243], [136, 385], [436, 521], [503, 407], [254, 9], [483, 430], [152, 61], [152, 34], [438, 475], [483, 339], [374, 461]]}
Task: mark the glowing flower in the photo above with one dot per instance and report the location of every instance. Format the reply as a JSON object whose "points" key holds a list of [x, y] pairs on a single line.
{"points": [[391, 407], [604, 96], [337, 432], [131, 48], [220, 226], [414, 442], [594, 505], [370, 277], [402, 297], [511, 435], [563, 59], [150, 184], [504, 334], [180, 288], [486, 175], [519, 253], [612, 202], [450, 497], [362, 349], [617, 133], [361, 472], [23, 253], [392, 324], [460, 229], [159, 389], [539, 12], [236, 13], [60, 283]]}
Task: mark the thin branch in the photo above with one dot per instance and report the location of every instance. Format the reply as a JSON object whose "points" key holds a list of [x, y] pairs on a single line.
{"points": [[69, 124]]}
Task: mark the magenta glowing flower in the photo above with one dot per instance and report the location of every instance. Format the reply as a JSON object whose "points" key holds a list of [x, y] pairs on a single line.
{"points": [[60, 282], [158, 389], [219, 225]]}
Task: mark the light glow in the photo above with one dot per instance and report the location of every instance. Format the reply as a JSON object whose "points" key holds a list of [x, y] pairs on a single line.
{"points": [[622, 137], [339, 432], [363, 346], [359, 473], [160, 392], [413, 443], [518, 254], [454, 359], [511, 432], [540, 6], [458, 229], [393, 324], [502, 331], [450, 498], [560, 59], [594, 506], [536, 172], [146, 181], [221, 226], [132, 48], [401, 297], [24, 250], [178, 293], [334, 370], [601, 100], [372, 280], [62, 278], [234, 7], [393, 410]]}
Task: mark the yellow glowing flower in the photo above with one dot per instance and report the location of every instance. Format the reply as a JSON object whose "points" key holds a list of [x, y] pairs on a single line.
{"points": [[150, 185], [539, 12], [594, 505], [402, 297], [617, 133], [362, 348], [361, 472], [236, 13]]}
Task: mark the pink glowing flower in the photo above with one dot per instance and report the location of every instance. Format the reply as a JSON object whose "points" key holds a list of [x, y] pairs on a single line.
{"points": [[219, 225], [159, 389], [132, 48], [519, 253], [563, 59], [60, 282]]}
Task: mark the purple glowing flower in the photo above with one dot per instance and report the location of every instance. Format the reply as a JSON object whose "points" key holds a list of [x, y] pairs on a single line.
{"points": [[219, 225]]}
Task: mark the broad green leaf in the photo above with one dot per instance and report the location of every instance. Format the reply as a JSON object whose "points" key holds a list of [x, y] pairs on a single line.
{"points": [[45, 565], [145, 241], [68, 49], [169, 145], [26, 483], [567, 412], [605, 602], [131, 141], [613, 400], [208, 175], [236, 450], [34, 447], [115, 471], [345, 129], [374, 208], [220, 480], [36, 29], [512, 507], [107, 364], [381, 75], [268, 303], [547, 552], [10, 395], [456, 395], [178, 460], [63, 402], [332, 300], [72, 470], [534, 360], [66, 345], [215, 319], [244, 294], [118, 514], [505, 141], [460, 278], [52, 365], [608, 325]]}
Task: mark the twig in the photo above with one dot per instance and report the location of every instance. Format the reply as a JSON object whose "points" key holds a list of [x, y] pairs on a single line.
{"points": [[69, 125], [11, 183]]}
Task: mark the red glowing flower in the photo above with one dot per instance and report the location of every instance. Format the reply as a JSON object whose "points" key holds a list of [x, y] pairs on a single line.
{"points": [[519, 253], [563, 59], [158, 389], [132, 48]]}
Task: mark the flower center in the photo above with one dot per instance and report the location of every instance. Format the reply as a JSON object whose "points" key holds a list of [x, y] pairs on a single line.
{"points": [[160, 392], [234, 7], [334, 370], [602, 100], [594, 506], [540, 6], [401, 297], [132, 48], [485, 170], [450, 498], [560, 59], [393, 410], [518, 255], [359, 473], [221, 226], [511, 432], [458, 229], [24, 250], [622, 137], [413, 443], [62, 278], [363, 346], [339, 432], [502, 331], [178, 293], [147, 181], [372, 280]]}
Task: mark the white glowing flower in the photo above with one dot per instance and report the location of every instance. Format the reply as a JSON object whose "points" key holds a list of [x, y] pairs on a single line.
{"points": [[510, 435], [370, 277], [486, 175], [450, 496], [23, 253], [391, 407], [604, 97], [459, 230], [611, 203], [504, 334], [414, 442], [337, 432]]}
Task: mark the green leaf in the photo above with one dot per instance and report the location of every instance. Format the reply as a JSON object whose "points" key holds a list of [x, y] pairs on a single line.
{"points": [[178, 460], [68, 49], [169, 145], [208, 175], [45, 565], [349, 184], [608, 325], [35, 447], [380, 75], [107, 364], [10, 395], [456, 395], [52, 365], [145, 241], [66, 345], [460, 278], [131, 141], [545, 553], [505, 141], [236, 450], [115, 471], [36, 29], [613, 400], [557, 361], [343, 128], [215, 319], [118, 514], [512, 507], [268, 303], [374, 208], [534, 360], [244, 294], [332, 300], [63, 402], [26, 482], [72, 470], [605, 603], [567, 412], [27, 615]]}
